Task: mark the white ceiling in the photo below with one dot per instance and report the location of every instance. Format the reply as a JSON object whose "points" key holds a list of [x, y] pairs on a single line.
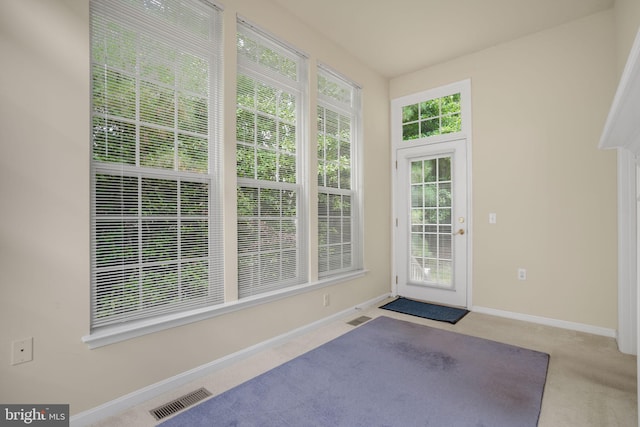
{"points": [[395, 37]]}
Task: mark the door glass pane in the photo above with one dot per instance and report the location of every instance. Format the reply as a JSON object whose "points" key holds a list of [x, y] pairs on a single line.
{"points": [[431, 251]]}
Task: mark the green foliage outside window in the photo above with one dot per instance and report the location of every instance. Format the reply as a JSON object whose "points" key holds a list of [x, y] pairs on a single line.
{"points": [[431, 221], [335, 121], [434, 117], [266, 164], [150, 112]]}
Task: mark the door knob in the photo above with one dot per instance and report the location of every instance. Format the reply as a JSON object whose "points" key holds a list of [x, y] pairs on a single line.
{"points": [[460, 232]]}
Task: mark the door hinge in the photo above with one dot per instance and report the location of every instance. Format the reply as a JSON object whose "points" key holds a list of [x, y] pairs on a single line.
{"points": [[396, 222], [396, 280], [396, 164]]}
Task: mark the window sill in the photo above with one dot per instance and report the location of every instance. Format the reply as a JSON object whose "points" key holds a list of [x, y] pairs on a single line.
{"points": [[113, 334]]}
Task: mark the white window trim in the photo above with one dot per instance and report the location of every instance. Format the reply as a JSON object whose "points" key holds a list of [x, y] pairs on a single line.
{"points": [[122, 15], [114, 334], [299, 88], [356, 190], [463, 87]]}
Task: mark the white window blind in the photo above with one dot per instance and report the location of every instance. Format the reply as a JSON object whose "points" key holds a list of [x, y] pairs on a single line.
{"points": [[270, 98], [156, 205], [338, 208]]}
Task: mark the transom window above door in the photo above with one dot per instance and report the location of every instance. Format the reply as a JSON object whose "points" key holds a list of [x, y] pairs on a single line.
{"points": [[436, 116]]}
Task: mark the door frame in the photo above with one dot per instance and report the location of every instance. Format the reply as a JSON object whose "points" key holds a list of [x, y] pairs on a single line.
{"points": [[456, 296], [464, 88]]}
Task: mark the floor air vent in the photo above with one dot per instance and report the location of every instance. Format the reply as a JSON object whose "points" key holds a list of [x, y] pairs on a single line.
{"points": [[180, 403], [359, 320]]}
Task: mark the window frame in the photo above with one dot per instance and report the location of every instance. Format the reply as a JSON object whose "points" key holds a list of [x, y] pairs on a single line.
{"points": [[354, 112], [251, 285], [145, 26], [462, 87], [116, 333]]}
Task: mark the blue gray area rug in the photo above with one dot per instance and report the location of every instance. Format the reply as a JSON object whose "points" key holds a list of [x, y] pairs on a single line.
{"points": [[388, 372], [426, 310]]}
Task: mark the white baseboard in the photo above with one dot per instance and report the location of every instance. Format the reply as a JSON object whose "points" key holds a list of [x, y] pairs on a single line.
{"points": [[137, 397], [581, 327]]}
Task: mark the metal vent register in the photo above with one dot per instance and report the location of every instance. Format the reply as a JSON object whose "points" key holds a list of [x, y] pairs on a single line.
{"points": [[180, 403], [359, 321]]}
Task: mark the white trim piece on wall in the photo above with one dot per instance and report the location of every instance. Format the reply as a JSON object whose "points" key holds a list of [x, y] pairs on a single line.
{"points": [[573, 326], [627, 252], [622, 132], [622, 128]]}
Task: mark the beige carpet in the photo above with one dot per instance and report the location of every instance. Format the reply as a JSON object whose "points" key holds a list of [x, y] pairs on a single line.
{"points": [[589, 382]]}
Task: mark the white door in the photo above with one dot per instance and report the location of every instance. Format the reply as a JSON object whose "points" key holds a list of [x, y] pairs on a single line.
{"points": [[432, 234]]}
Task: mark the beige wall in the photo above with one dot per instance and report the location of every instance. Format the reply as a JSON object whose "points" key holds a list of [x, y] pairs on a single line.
{"points": [[44, 212], [539, 104]]}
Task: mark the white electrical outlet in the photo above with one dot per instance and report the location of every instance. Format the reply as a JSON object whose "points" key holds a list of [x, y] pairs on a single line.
{"points": [[22, 351], [522, 274], [492, 218], [325, 300]]}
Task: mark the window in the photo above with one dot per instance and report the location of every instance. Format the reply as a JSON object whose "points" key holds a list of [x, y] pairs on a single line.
{"points": [[269, 128], [338, 212], [156, 202], [156, 171], [433, 117]]}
